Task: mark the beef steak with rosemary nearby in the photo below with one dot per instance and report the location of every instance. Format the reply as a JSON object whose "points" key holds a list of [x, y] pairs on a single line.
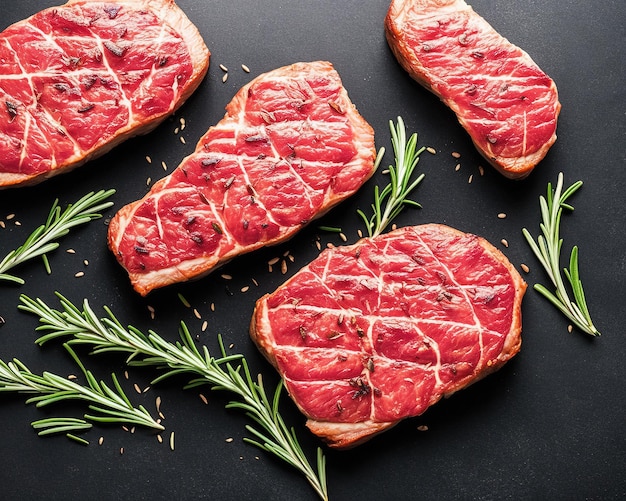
{"points": [[369, 334], [290, 147], [78, 79], [506, 103]]}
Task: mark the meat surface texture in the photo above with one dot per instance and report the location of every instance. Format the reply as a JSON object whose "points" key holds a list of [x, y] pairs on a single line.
{"points": [[290, 147], [78, 79], [369, 334], [506, 103]]}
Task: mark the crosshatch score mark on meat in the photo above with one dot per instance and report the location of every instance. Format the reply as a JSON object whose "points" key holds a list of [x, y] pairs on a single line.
{"points": [[506, 103], [78, 79], [369, 334], [291, 146]]}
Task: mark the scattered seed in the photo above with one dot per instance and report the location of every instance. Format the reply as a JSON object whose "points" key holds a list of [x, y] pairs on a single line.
{"points": [[70, 251], [148, 181], [10, 216], [159, 439], [225, 77], [125, 428], [470, 179], [17, 223], [255, 282], [318, 245], [72, 377], [100, 440], [2, 225], [394, 227], [502, 215], [182, 140], [85, 262], [229, 440], [205, 324], [79, 274], [283, 266], [359, 233], [231, 346], [137, 389], [148, 159], [183, 300], [343, 237], [183, 123], [245, 68], [504, 242], [286, 253], [223, 68], [525, 268], [457, 167], [422, 427], [227, 277], [212, 306], [257, 457], [121, 450], [481, 170], [570, 328], [431, 150], [158, 403], [245, 288], [164, 165], [204, 399], [125, 374], [197, 314], [176, 130], [146, 389], [132, 430], [385, 172], [456, 154], [172, 440]]}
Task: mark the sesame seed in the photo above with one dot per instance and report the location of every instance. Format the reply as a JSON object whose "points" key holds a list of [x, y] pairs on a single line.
{"points": [[79, 274], [385, 172], [273, 261], [286, 253], [470, 179], [17, 223], [481, 170], [570, 328], [132, 430], [85, 262], [182, 140], [431, 150], [223, 68], [145, 390], [70, 251], [245, 288], [137, 389], [456, 154], [164, 165], [343, 237], [125, 374], [359, 233], [245, 68], [176, 130], [231, 346], [205, 324], [227, 277], [197, 314], [158, 403], [422, 427], [72, 377], [525, 268], [502, 215], [318, 245], [255, 282], [204, 399], [100, 440], [229, 440], [457, 167], [2, 225], [148, 181], [212, 306], [159, 439], [504, 242], [10, 216], [283, 266], [148, 159], [225, 77], [125, 428], [172, 440]]}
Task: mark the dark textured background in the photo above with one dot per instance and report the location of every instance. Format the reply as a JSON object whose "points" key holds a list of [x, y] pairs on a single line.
{"points": [[549, 425]]}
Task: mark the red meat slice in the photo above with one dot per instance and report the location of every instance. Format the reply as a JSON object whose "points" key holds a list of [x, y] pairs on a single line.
{"points": [[500, 96], [369, 334], [78, 79], [290, 147]]}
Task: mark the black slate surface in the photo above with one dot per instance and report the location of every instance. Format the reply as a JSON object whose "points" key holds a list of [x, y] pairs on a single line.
{"points": [[549, 425]]}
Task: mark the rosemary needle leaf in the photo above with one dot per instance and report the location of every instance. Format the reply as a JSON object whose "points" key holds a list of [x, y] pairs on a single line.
{"points": [[108, 335], [390, 201], [547, 249], [42, 240]]}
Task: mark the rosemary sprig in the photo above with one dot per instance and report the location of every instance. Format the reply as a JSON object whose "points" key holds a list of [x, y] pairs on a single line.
{"points": [[58, 224], [109, 335], [109, 405], [547, 248], [393, 197]]}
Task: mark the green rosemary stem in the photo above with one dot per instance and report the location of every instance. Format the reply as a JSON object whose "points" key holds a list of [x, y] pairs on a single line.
{"points": [[109, 335], [58, 224], [547, 249]]}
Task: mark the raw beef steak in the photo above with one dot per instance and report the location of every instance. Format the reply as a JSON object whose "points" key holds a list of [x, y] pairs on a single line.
{"points": [[500, 96], [369, 334], [290, 147], [78, 79]]}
